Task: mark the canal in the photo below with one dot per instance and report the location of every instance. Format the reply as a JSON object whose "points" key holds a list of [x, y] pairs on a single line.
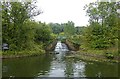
{"points": [[54, 64]]}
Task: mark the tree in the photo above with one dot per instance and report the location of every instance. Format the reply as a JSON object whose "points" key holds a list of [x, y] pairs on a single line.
{"points": [[56, 28], [43, 33], [15, 14], [69, 28], [103, 29]]}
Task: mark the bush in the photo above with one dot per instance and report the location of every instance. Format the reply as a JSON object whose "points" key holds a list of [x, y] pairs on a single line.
{"points": [[109, 55]]}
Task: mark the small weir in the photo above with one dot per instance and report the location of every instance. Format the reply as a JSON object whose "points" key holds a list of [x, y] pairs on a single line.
{"points": [[60, 50], [60, 47]]}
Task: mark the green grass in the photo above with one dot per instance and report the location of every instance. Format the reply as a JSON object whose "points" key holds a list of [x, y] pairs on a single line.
{"points": [[99, 55], [88, 57], [0, 53], [29, 51], [112, 50], [23, 52]]}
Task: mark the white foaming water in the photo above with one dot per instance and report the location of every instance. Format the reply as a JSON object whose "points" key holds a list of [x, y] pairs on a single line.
{"points": [[60, 47]]}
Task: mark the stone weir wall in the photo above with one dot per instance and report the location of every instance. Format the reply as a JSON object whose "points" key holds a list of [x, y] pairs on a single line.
{"points": [[70, 46], [51, 46]]}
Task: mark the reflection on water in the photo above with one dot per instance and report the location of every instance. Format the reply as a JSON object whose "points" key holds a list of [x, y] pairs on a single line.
{"points": [[26, 67], [43, 66], [55, 65]]}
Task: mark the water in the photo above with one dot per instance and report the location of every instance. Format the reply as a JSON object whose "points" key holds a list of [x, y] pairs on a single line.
{"points": [[55, 65], [61, 47]]}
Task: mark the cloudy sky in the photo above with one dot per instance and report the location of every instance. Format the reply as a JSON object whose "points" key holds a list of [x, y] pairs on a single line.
{"points": [[61, 11]]}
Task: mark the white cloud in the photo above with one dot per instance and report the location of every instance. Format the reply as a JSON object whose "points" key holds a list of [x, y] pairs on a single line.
{"points": [[60, 11]]}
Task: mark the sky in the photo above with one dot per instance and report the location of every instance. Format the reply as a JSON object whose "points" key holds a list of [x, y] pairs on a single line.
{"points": [[62, 11]]}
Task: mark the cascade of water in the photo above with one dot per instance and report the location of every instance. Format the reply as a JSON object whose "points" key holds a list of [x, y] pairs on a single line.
{"points": [[60, 47]]}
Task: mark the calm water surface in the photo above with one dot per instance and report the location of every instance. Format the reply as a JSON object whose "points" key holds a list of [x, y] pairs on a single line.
{"points": [[55, 65]]}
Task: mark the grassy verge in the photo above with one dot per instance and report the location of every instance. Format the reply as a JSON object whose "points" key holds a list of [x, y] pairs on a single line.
{"points": [[0, 53], [32, 50], [24, 53], [97, 55]]}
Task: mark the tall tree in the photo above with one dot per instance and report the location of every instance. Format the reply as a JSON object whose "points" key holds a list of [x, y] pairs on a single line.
{"points": [[14, 16], [105, 15], [69, 28]]}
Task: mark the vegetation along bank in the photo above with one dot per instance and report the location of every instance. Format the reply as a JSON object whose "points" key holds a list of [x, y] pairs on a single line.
{"points": [[26, 37]]}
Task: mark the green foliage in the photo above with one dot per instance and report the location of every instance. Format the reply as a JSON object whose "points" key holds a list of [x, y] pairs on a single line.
{"points": [[102, 32], [109, 55], [97, 37], [76, 39], [63, 31], [79, 30], [14, 29], [53, 36], [20, 32], [56, 28], [24, 52], [43, 33], [69, 28]]}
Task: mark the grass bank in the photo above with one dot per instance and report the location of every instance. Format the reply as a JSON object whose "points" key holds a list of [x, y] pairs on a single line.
{"points": [[22, 53], [109, 55], [34, 49]]}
